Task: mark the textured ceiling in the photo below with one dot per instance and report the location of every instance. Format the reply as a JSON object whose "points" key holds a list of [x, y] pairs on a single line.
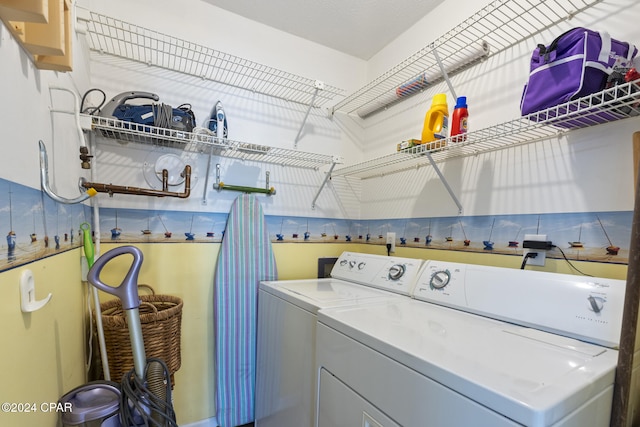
{"points": [[356, 27]]}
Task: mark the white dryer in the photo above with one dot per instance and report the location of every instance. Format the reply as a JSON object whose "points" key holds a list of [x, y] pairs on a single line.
{"points": [[287, 317], [478, 346]]}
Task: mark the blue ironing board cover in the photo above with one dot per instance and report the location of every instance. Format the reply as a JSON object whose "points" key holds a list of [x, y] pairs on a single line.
{"points": [[245, 258]]}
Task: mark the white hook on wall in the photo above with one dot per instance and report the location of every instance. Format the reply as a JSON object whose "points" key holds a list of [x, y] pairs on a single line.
{"points": [[28, 301]]}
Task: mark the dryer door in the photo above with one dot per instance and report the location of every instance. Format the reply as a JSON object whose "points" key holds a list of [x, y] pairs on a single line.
{"points": [[340, 406]]}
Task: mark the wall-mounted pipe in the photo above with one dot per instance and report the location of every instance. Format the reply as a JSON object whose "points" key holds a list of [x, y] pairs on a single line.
{"points": [[123, 189], [44, 181], [85, 157], [219, 185]]}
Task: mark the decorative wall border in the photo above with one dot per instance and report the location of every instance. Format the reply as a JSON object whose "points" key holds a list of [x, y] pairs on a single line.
{"points": [[42, 227]]}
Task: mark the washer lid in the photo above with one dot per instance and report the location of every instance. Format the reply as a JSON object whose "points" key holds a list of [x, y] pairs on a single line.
{"points": [[314, 294], [530, 376]]}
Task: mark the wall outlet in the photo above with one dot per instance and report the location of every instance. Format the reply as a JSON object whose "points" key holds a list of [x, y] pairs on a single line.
{"points": [[391, 240], [541, 254]]}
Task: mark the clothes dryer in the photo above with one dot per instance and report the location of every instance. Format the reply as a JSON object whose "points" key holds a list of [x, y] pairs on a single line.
{"points": [[287, 315]]}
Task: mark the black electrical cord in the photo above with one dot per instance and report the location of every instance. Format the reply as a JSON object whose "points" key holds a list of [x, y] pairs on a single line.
{"points": [[526, 258], [535, 254], [139, 405], [569, 262], [92, 110], [388, 249]]}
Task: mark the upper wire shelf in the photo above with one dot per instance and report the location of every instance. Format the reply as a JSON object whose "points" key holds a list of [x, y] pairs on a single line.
{"points": [[616, 103], [496, 27], [204, 142], [125, 40]]}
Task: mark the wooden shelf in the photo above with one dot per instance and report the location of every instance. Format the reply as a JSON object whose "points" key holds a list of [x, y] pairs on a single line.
{"points": [[43, 29], [25, 10], [60, 62]]}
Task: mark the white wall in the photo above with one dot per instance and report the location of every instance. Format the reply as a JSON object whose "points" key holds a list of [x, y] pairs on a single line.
{"points": [[25, 116], [252, 118], [549, 176], [573, 174]]}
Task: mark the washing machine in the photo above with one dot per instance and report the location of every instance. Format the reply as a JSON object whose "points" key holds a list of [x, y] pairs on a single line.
{"points": [[287, 316], [476, 346]]}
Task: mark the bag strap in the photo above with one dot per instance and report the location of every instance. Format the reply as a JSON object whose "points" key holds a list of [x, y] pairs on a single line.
{"points": [[544, 50], [631, 53], [605, 50], [605, 47]]}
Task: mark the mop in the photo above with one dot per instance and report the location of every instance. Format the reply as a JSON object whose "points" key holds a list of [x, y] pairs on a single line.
{"points": [[245, 258], [146, 390]]}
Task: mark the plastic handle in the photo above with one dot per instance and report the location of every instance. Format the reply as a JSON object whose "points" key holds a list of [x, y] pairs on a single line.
{"points": [[128, 289], [121, 98], [87, 242]]}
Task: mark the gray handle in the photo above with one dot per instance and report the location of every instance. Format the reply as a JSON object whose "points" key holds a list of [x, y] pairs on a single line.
{"points": [[127, 291], [121, 98]]}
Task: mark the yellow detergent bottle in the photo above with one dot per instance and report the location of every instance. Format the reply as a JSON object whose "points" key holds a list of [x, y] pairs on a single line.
{"points": [[436, 122]]}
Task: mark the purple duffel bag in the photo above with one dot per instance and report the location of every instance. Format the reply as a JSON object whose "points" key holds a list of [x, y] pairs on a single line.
{"points": [[576, 64]]}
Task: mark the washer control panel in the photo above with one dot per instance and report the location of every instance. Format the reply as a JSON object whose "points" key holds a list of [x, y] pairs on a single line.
{"points": [[583, 307], [442, 283], [393, 274]]}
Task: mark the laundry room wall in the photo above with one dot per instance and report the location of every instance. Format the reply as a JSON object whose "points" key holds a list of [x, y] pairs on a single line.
{"points": [[584, 171], [571, 173], [44, 350], [252, 118], [31, 112]]}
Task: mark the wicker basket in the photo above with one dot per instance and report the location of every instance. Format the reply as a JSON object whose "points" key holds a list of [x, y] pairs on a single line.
{"points": [[160, 319]]}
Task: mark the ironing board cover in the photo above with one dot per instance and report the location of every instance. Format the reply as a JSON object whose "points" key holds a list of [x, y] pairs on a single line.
{"points": [[245, 258]]}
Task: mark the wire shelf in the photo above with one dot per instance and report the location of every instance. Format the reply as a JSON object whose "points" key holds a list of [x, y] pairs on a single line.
{"points": [[616, 103], [498, 26], [125, 40], [201, 141]]}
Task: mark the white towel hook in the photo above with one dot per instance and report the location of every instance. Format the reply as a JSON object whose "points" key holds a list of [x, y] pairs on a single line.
{"points": [[28, 301]]}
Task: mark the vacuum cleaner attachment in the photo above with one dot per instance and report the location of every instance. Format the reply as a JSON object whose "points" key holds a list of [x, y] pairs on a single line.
{"points": [[94, 404]]}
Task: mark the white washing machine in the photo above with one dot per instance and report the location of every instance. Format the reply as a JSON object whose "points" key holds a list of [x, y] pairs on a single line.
{"points": [[287, 316], [478, 346]]}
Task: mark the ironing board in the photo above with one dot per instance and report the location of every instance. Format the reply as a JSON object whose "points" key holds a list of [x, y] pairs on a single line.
{"points": [[245, 258]]}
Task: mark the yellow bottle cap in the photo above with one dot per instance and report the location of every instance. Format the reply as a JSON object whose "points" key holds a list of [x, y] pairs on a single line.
{"points": [[439, 99]]}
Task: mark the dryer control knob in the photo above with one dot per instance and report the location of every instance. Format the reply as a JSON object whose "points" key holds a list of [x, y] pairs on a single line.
{"points": [[352, 264], [440, 279], [361, 265], [396, 271]]}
